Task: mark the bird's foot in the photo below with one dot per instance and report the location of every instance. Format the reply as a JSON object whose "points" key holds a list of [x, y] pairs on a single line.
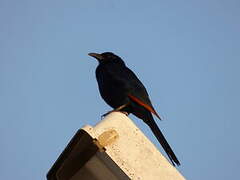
{"points": [[124, 112]]}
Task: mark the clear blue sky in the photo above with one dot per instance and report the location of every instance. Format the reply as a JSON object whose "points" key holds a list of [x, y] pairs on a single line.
{"points": [[187, 53]]}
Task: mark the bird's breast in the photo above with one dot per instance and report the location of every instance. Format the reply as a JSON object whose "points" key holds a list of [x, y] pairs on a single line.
{"points": [[111, 88]]}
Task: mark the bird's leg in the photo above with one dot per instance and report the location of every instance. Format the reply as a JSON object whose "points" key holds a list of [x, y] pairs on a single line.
{"points": [[118, 109]]}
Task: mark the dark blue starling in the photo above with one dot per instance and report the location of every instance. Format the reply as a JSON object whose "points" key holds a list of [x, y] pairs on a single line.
{"points": [[123, 91]]}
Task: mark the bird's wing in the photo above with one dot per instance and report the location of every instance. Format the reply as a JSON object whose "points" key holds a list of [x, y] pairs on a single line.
{"points": [[136, 90], [145, 105]]}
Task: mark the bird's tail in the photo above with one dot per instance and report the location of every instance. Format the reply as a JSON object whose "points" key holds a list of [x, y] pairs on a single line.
{"points": [[160, 137]]}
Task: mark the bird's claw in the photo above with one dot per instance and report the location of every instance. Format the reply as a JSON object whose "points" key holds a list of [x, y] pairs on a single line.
{"points": [[124, 112], [104, 115]]}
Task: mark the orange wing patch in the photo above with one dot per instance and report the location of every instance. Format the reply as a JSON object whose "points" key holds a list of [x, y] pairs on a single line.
{"points": [[149, 108]]}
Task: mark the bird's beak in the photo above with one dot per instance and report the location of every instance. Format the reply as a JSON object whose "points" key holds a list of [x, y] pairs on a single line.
{"points": [[96, 55]]}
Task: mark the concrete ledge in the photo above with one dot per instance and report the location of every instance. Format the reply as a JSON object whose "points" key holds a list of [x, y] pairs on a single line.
{"points": [[114, 149]]}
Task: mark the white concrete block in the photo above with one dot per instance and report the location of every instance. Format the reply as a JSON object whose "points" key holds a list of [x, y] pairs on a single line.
{"points": [[131, 150]]}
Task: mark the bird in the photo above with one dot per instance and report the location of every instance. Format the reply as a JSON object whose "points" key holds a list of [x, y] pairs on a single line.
{"points": [[123, 91]]}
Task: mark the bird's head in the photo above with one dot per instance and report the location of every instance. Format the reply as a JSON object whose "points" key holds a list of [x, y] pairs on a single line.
{"points": [[106, 57]]}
